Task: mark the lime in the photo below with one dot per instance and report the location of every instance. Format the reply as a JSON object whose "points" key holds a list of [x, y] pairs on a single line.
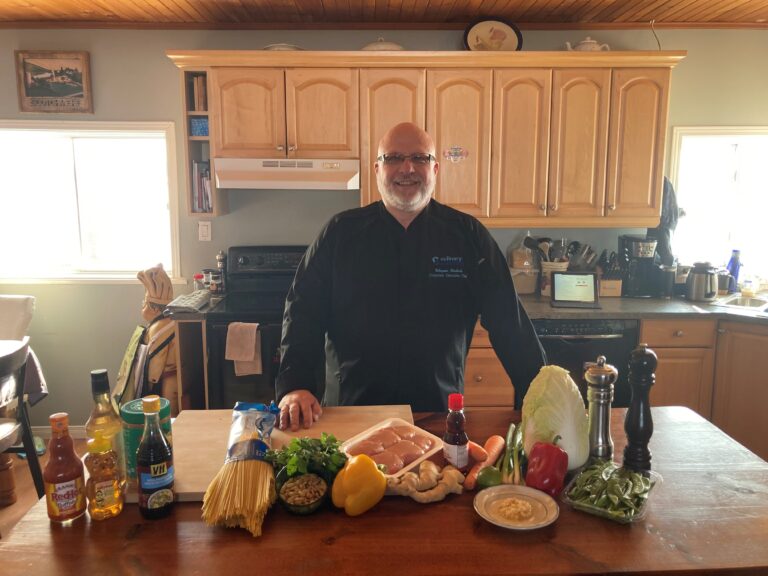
{"points": [[488, 476]]}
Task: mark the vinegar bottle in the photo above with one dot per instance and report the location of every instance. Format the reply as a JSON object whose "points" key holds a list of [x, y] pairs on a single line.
{"points": [[63, 474], [105, 419], [104, 491], [455, 440], [154, 464]]}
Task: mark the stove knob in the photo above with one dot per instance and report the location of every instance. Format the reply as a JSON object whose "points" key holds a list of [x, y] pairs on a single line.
{"points": [[243, 260], [260, 260]]}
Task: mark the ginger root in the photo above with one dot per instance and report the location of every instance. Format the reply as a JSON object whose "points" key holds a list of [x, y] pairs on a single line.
{"points": [[431, 485]]}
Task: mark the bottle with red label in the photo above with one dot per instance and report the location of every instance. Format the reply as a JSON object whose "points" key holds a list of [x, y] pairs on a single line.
{"points": [[154, 464], [63, 475], [455, 440]]}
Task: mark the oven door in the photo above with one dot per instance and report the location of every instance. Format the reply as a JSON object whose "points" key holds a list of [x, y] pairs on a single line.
{"points": [[224, 387]]}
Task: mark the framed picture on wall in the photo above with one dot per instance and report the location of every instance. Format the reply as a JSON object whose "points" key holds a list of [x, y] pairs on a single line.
{"points": [[52, 81]]}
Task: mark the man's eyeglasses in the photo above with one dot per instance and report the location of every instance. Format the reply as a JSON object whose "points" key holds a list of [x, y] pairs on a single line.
{"points": [[397, 159]]}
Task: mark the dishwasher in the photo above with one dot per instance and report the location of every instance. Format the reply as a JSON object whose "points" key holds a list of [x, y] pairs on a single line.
{"points": [[573, 343]]}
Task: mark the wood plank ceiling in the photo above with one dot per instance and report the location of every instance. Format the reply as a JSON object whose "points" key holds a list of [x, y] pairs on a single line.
{"points": [[371, 14]]}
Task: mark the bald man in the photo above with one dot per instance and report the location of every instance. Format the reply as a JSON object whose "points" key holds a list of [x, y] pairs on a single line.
{"points": [[386, 298]]}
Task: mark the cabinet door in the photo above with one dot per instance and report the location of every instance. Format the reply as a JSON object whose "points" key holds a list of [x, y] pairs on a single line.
{"points": [[323, 113], [520, 156], [684, 377], [636, 141], [387, 98], [486, 383], [580, 99], [741, 385], [247, 113], [459, 120]]}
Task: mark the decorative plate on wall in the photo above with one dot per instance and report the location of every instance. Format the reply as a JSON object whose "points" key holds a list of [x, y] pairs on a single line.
{"points": [[492, 34]]}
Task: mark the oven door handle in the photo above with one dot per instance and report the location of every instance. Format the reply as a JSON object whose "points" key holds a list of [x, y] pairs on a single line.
{"points": [[580, 336]]}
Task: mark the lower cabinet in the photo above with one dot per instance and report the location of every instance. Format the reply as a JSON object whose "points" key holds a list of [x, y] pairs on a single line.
{"points": [[486, 383], [741, 384], [685, 349]]}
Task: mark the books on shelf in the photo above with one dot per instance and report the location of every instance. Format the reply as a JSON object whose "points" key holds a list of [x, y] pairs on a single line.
{"points": [[199, 93], [201, 187]]}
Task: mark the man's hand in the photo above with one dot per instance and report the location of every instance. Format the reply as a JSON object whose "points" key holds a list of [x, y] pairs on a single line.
{"points": [[299, 408]]}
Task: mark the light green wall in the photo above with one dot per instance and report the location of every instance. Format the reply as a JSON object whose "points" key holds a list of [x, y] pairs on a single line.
{"points": [[76, 328]]}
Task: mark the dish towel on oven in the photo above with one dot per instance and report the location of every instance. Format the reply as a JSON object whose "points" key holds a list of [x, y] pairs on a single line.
{"points": [[244, 348]]}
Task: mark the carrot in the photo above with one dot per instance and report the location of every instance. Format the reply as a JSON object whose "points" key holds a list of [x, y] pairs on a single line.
{"points": [[477, 452], [494, 447]]}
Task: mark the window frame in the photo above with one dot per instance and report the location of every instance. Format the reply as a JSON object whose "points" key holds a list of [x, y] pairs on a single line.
{"points": [[105, 127]]}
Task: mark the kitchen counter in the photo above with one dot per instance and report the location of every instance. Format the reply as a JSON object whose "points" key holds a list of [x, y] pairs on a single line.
{"points": [[640, 308], [708, 516]]}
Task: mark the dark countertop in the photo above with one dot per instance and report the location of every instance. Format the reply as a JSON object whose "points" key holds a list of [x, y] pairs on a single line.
{"points": [[641, 308]]}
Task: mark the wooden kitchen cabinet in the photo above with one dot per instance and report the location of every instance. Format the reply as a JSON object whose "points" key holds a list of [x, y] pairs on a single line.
{"points": [[685, 351], [520, 151], [741, 384], [459, 106], [486, 383], [387, 98], [276, 113]]}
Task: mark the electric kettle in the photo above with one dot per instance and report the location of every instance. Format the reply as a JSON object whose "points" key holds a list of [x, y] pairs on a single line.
{"points": [[701, 285]]}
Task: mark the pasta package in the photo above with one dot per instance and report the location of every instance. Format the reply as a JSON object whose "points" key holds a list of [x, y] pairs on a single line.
{"points": [[243, 490]]}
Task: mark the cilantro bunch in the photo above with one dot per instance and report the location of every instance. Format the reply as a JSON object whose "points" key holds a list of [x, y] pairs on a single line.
{"points": [[302, 455]]}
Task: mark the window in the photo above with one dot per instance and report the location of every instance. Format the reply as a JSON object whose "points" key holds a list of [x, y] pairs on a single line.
{"points": [[721, 182], [87, 199]]}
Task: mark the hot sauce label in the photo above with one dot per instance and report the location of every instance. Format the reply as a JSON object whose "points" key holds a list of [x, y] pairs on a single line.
{"points": [[65, 499]]}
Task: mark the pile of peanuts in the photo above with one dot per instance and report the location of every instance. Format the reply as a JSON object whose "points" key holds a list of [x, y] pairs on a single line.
{"points": [[303, 490]]}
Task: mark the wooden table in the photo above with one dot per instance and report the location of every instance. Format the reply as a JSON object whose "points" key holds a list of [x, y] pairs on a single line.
{"points": [[709, 516]]}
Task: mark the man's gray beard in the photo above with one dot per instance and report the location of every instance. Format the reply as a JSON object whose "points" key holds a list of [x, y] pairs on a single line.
{"points": [[412, 205]]}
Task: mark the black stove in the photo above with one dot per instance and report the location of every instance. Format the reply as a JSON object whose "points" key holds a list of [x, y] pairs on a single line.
{"points": [[256, 283]]}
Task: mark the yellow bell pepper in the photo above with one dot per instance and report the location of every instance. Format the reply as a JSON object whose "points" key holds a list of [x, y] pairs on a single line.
{"points": [[358, 486]]}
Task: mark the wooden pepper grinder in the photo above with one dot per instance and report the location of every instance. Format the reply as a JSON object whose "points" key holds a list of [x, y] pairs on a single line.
{"points": [[638, 423]]}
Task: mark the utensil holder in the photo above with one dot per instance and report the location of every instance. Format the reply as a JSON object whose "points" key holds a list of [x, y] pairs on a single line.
{"points": [[546, 275]]}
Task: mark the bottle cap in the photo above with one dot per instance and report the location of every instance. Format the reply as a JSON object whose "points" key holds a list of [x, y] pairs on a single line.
{"points": [[59, 422], [98, 444], [151, 403], [99, 381], [455, 402]]}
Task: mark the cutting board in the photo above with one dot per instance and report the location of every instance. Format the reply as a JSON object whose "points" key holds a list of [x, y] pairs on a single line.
{"points": [[200, 440]]}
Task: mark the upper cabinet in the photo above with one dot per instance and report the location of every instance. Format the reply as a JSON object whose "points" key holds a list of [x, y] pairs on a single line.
{"points": [[524, 139], [275, 113], [387, 98]]}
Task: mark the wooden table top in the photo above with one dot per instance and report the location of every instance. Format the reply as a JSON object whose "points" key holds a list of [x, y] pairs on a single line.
{"points": [[708, 516]]}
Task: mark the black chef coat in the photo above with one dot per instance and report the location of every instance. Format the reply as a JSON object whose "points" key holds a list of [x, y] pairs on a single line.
{"points": [[395, 309]]}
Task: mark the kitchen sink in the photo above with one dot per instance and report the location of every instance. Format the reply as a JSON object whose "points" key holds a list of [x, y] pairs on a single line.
{"points": [[738, 301]]}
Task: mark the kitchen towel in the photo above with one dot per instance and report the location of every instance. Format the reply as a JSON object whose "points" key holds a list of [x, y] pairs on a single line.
{"points": [[244, 348]]}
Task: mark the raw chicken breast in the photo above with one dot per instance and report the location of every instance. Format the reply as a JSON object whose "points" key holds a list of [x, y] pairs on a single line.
{"points": [[406, 450], [422, 441], [392, 461], [365, 446], [405, 432], [385, 436]]}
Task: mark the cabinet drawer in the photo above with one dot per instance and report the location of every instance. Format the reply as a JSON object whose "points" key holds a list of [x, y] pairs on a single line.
{"points": [[679, 333], [480, 338], [486, 383]]}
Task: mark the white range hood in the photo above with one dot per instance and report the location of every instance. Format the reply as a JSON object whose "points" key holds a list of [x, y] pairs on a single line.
{"points": [[287, 174]]}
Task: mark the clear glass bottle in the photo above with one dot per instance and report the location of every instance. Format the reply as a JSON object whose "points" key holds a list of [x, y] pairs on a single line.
{"points": [[154, 464], [105, 419], [63, 474], [103, 488], [455, 439]]}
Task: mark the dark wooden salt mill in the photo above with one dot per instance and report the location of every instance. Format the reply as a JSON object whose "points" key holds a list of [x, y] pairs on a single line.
{"points": [[638, 423]]}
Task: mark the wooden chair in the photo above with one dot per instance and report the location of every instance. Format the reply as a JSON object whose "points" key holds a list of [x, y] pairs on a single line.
{"points": [[14, 419]]}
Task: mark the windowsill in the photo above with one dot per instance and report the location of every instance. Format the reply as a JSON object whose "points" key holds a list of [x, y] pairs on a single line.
{"points": [[107, 280]]}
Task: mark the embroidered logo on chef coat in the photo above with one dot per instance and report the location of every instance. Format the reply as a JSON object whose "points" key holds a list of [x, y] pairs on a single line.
{"points": [[447, 267]]}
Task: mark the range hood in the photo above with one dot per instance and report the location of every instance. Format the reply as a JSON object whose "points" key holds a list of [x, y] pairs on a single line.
{"points": [[287, 174]]}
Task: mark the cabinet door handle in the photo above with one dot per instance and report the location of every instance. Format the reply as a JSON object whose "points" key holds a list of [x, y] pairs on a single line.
{"points": [[721, 330], [479, 378], [542, 207], [553, 207], [291, 148], [280, 147], [611, 207], [678, 334]]}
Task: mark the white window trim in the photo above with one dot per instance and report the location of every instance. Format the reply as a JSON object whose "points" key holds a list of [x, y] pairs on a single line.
{"points": [[173, 191]]}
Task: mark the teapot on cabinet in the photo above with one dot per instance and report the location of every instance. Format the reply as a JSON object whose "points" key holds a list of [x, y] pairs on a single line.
{"points": [[588, 45], [701, 285]]}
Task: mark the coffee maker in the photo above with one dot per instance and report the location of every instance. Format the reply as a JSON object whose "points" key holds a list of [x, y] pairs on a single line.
{"points": [[641, 274]]}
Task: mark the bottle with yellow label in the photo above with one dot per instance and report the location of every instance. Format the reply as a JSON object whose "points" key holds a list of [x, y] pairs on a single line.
{"points": [[104, 489], [154, 464], [105, 419], [63, 475]]}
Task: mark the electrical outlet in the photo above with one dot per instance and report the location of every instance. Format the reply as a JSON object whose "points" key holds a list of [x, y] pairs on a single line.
{"points": [[204, 231]]}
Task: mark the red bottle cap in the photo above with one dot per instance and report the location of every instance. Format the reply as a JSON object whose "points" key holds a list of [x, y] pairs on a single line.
{"points": [[455, 402]]}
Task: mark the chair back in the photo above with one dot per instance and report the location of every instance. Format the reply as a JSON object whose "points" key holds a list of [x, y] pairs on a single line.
{"points": [[15, 316], [13, 360]]}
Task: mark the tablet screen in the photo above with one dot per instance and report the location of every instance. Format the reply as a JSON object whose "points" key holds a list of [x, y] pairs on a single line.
{"points": [[574, 287]]}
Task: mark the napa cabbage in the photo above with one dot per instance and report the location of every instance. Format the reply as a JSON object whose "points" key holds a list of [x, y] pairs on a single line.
{"points": [[553, 407]]}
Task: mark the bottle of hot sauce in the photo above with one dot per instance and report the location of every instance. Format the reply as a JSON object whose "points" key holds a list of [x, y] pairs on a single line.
{"points": [[63, 474], [455, 440]]}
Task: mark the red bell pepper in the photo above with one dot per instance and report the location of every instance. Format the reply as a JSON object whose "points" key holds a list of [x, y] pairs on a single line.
{"points": [[547, 466]]}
